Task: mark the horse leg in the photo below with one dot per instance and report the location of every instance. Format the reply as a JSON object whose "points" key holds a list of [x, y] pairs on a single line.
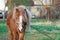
{"points": [[10, 34], [15, 35], [21, 35]]}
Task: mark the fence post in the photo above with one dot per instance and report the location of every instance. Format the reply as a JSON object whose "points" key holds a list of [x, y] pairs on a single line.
{"points": [[3, 15]]}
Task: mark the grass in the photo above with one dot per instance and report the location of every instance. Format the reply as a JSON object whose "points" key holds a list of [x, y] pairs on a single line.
{"points": [[38, 32], [3, 27], [38, 20], [46, 27]]}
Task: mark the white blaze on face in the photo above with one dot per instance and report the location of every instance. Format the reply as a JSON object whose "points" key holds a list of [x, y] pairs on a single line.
{"points": [[20, 23]]}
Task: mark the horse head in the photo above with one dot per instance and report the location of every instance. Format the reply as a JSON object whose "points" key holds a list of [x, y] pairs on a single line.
{"points": [[21, 16]]}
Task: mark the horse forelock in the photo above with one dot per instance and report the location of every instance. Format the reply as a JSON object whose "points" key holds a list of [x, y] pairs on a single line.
{"points": [[21, 7]]}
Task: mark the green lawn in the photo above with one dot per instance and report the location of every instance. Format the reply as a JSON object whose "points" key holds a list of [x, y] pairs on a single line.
{"points": [[38, 32]]}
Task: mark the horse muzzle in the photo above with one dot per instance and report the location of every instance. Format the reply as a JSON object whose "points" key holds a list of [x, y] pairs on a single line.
{"points": [[22, 26]]}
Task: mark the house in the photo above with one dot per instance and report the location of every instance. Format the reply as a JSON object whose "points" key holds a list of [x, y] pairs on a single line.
{"points": [[2, 8], [41, 7]]}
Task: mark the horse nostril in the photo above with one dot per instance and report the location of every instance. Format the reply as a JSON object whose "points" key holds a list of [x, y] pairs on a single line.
{"points": [[25, 23]]}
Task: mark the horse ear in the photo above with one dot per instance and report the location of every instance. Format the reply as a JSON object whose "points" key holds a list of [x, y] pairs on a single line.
{"points": [[17, 9], [25, 10]]}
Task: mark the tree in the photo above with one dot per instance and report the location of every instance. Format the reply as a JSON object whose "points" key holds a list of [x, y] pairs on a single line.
{"points": [[11, 3]]}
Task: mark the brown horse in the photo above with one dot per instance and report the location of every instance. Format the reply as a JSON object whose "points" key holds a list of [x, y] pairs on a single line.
{"points": [[17, 20]]}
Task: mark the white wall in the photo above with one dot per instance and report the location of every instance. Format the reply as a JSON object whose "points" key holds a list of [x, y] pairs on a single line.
{"points": [[2, 4]]}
